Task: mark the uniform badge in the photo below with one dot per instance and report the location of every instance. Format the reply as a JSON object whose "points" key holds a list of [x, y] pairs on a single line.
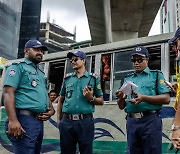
{"points": [[12, 72], [32, 73], [69, 85], [99, 86], [69, 94], [161, 82], [138, 49], [34, 83]]}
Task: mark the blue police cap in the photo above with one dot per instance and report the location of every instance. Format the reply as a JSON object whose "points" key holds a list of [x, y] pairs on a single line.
{"points": [[140, 50], [77, 54], [177, 34], [35, 44]]}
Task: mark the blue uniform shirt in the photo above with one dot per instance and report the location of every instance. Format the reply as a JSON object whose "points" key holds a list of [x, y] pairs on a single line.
{"points": [[150, 84], [72, 89], [31, 86]]}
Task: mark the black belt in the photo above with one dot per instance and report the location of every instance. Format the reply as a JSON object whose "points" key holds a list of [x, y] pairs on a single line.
{"points": [[77, 116], [26, 112], [142, 114]]}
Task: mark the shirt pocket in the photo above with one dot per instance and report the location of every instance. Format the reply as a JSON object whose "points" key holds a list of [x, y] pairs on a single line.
{"points": [[149, 87], [25, 78], [33, 80], [69, 91]]}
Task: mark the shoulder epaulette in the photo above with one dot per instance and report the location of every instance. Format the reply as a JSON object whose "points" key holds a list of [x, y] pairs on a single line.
{"points": [[18, 62], [129, 75], [158, 71], [94, 75], [68, 75]]}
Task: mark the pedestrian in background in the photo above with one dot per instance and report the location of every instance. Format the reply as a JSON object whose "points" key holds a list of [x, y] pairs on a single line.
{"points": [[176, 122], [144, 124], [26, 101], [53, 96], [173, 42], [80, 92]]}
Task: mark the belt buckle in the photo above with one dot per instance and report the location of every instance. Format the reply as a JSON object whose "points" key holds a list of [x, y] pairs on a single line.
{"points": [[75, 117], [138, 115]]}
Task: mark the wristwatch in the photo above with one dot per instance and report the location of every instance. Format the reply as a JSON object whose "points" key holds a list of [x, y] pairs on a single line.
{"points": [[174, 127], [92, 100]]}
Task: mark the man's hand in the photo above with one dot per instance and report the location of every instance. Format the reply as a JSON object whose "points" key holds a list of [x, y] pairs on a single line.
{"points": [[138, 98], [176, 138], [46, 115], [175, 87], [88, 93], [119, 94], [120, 99], [59, 117], [15, 129]]}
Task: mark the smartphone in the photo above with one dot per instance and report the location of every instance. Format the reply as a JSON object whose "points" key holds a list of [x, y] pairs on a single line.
{"points": [[169, 84], [89, 87]]}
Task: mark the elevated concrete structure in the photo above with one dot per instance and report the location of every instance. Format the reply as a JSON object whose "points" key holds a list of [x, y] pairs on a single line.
{"points": [[116, 20]]}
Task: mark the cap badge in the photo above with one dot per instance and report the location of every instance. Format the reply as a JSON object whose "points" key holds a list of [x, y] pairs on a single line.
{"points": [[38, 42], [138, 49]]}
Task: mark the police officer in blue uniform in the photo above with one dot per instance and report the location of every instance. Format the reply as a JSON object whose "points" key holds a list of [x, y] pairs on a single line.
{"points": [[80, 92], [26, 101], [144, 124]]}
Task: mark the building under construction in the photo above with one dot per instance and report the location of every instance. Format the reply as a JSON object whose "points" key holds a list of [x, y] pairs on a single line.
{"points": [[55, 37]]}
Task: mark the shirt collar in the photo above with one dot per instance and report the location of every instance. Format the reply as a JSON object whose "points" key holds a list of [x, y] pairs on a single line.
{"points": [[146, 70], [27, 61], [85, 74]]}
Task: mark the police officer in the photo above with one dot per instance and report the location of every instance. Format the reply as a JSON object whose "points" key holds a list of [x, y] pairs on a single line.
{"points": [[80, 92], [26, 100], [144, 125], [176, 122]]}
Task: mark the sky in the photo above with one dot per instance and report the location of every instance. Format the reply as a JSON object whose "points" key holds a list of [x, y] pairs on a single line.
{"points": [[155, 29], [68, 14], [71, 13]]}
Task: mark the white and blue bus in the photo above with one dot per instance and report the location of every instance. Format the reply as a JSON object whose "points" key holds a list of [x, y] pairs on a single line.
{"points": [[111, 62]]}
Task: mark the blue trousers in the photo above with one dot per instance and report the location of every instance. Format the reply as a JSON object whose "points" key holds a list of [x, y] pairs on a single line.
{"points": [[73, 132], [144, 135], [34, 129]]}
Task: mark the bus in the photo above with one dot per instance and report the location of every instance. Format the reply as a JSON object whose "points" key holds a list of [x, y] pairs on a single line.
{"points": [[111, 62]]}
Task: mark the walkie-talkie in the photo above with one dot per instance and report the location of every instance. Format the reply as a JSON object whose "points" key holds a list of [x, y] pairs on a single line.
{"points": [[89, 85]]}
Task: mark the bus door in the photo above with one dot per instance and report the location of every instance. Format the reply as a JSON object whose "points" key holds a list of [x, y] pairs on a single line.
{"points": [[56, 75]]}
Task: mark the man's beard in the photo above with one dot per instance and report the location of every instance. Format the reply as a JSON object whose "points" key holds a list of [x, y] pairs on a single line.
{"points": [[35, 59]]}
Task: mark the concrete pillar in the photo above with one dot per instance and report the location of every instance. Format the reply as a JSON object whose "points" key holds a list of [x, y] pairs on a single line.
{"points": [[107, 17], [165, 60], [47, 32], [123, 35]]}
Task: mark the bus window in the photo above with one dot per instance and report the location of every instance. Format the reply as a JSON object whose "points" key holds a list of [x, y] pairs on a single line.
{"points": [[122, 67], [1, 85], [93, 65], [154, 57], [105, 75], [172, 64], [41, 67], [69, 68]]}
